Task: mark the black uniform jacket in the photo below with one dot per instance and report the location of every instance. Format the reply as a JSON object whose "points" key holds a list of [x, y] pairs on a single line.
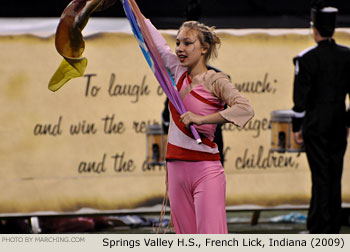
{"points": [[321, 84]]}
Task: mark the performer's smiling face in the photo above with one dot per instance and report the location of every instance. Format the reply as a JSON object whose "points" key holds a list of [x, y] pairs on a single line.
{"points": [[189, 49]]}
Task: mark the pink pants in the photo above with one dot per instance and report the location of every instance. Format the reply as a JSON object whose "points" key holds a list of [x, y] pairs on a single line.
{"points": [[197, 192]]}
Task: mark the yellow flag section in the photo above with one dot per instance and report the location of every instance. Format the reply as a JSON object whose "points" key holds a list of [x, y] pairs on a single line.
{"points": [[67, 70], [84, 146]]}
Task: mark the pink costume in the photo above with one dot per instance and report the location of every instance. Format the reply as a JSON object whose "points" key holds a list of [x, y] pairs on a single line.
{"points": [[196, 180]]}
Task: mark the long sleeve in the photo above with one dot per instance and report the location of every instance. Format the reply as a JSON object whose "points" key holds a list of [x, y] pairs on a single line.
{"points": [[239, 111], [170, 60], [302, 87]]}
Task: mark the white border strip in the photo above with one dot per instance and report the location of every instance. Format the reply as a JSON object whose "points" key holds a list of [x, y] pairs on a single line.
{"points": [[46, 27]]}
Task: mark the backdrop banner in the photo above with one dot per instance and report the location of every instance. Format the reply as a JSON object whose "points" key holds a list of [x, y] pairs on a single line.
{"points": [[84, 146]]}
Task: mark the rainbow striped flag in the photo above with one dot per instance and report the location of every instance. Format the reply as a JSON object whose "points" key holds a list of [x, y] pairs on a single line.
{"points": [[153, 58]]}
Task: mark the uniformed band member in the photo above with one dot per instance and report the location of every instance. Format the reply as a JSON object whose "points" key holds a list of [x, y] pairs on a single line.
{"points": [[321, 120]]}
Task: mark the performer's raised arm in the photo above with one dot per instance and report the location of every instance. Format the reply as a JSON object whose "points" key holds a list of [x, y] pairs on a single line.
{"points": [[169, 58]]}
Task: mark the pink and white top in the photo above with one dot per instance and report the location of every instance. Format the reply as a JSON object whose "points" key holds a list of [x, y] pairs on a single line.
{"points": [[207, 93]]}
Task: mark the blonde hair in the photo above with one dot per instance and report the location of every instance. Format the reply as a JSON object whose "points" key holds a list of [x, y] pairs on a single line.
{"points": [[207, 37]]}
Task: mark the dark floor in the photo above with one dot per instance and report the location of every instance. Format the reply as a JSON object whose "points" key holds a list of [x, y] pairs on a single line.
{"points": [[240, 223]]}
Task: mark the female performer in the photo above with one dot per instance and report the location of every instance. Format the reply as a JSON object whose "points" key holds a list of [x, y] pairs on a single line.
{"points": [[196, 180]]}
